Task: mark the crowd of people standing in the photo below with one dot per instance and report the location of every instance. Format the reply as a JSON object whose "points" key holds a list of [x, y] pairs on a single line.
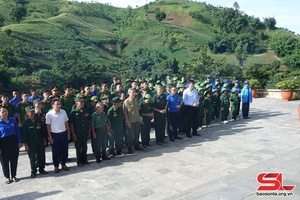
{"points": [[112, 117]]}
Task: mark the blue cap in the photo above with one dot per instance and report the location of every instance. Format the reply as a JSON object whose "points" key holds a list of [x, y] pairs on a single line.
{"points": [[208, 76], [191, 79], [246, 82], [236, 81], [217, 80], [225, 81]]}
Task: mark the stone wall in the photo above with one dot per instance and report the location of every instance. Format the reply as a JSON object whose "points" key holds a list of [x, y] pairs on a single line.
{"points": [[275, 93]]}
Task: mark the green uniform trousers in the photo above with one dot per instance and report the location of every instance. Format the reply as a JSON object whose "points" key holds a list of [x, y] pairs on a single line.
{"points": [[145, 133], [37, 157], [81, 148]]}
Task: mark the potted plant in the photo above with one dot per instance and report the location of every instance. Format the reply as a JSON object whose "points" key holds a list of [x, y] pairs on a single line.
{"points": [[287, 87], [254, 85]]}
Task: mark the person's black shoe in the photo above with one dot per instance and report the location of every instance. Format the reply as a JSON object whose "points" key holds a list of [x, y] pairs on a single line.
{"points": [[86, 163], [105, 158], [189, 136], [139, 148], [120, 153], [158, 143], [130, 151], [171, 139], [196, 134], [33, 175], [98, 160], [164, 142], [178, 138], [42, 171]]}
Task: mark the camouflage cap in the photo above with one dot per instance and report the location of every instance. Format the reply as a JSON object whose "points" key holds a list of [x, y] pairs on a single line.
{"points": [[36, 101], [29, 108]]}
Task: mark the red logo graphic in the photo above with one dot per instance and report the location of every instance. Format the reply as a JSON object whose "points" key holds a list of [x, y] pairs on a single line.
{"points": [[272, 182]]}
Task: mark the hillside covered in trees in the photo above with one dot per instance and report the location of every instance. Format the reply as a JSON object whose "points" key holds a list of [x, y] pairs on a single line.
{"points": [[47, 42]]}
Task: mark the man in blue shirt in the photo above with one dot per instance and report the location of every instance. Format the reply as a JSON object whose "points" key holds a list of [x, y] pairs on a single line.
{"points": [[14, 101], [246, 96], [94, 91], [34, 95], [191, 104], [174, 105], [211, 82]]}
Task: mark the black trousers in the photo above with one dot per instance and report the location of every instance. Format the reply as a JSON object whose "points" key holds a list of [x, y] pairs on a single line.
{"points": [[160, 121], [36, 156], [192, 119], [9, 155], [245, 109], [173, 124]]}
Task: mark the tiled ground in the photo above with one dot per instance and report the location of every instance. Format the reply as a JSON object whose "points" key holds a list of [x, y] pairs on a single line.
{"points": [[221, 164]]}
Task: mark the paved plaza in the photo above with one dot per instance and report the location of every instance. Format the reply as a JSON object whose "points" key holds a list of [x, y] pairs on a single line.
{"points": [[221, 164]]}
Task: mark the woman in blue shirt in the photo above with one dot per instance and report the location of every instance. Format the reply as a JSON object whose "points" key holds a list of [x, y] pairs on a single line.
{"points": [[10, 142], [246, 96]]}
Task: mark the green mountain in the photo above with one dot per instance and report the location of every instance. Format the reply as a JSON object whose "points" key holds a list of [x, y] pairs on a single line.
{"points": [[53, 42]]}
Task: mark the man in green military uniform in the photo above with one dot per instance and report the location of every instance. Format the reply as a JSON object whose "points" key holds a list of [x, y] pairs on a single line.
{"points": [[54, 93], [67, 99], [100, 128], [146, 112], [216, 104], [105, 100], [207, 108], [80, 126], [127, 86], [21, 108], [159, 104], [234, 100], [34, 138], [104, 91], [5, 104], [115, 116], [201, 106], [224, 105], [46, 102]]}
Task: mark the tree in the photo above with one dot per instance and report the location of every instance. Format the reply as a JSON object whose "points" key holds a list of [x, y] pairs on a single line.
{"points": [[241, 53], [160, 16], [146, 8], [18, 13], [270, 23], [236, 5]]}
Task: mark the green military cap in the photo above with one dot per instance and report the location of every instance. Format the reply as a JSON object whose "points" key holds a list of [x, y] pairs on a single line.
{"points": [[225, 85], [94, 98], [223, 89], [150, 79], [158, 81], [128, 80], [78, 99], [116, 100], [104, 96], [163, 83], [29, 108], [215, 90], [151, 85], [175, 78], [206, 92], [206, 82], [135, 80], [202, 84], [207, 86], [147, 96], [181, 86], [36, 101], [79, 95], [233, 90], [217, 83], [201, 88]]}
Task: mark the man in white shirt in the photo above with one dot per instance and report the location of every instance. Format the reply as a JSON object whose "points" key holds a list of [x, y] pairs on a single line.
{"points": [[191, 104], [58, 133]]}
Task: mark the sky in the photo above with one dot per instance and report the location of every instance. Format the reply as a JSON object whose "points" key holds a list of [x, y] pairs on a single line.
{"points": [[286, 12]]}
